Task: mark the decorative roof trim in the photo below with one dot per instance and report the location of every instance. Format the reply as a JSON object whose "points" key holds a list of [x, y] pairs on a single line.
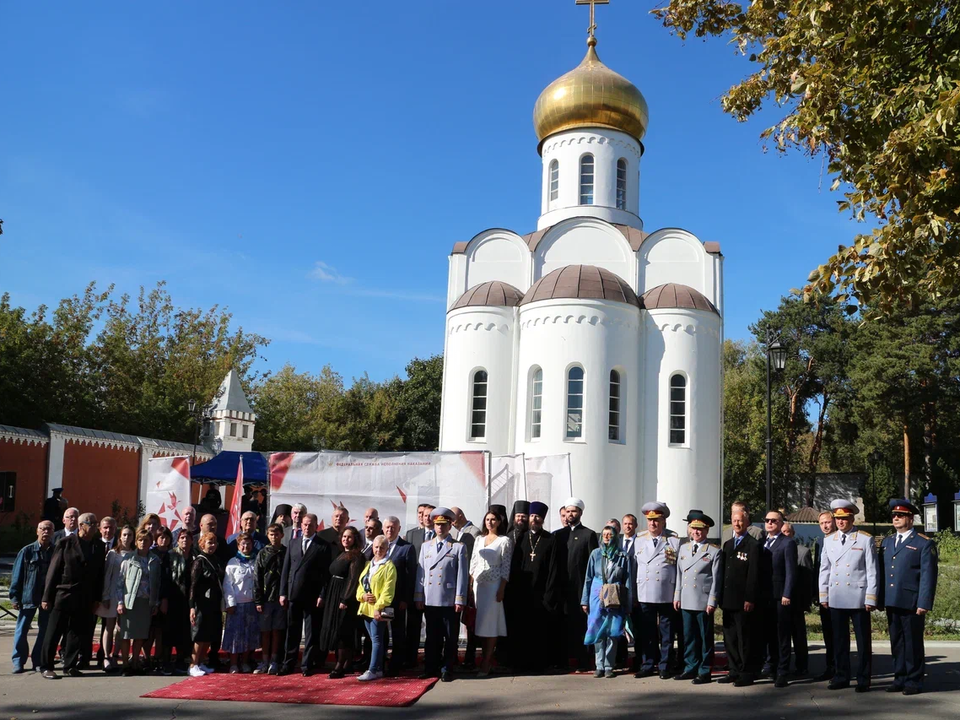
{"points": [[23, 436], [633, 236], [94, 438]]}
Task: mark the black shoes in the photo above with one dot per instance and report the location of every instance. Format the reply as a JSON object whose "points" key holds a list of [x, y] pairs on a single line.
{"points": [[781, 681], [728, 679], [336, 674], [838, 684], [743, 681], [688, 675], [665, 675], [702, 680], [825, 676], [894, 688], [644, 673], [306, 672], [863, 688], [73, 672], [912, 690], [446, 676]]}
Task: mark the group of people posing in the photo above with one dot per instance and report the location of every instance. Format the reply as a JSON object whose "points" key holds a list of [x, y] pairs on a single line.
{"points": [[532, 601]]}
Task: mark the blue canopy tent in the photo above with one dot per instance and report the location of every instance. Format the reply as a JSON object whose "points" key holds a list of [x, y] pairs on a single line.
{"points": [[223, 469]]}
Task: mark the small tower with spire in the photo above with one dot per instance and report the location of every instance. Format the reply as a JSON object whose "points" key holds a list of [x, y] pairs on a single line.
{"points": [[233, 418]]}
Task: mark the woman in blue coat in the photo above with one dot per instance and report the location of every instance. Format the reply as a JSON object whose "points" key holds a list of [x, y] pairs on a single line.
{"points": [[608, 565]]}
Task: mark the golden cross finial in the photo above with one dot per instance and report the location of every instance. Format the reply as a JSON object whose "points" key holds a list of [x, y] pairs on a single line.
{"points": [[592, 4]]}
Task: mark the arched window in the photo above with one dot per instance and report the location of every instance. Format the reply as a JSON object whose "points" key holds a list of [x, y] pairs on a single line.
{"points": [[536, 402], [478, 421], [586, 180], [554, 180], [613, 432], [621, 184], [575, 403], [678, 410]]}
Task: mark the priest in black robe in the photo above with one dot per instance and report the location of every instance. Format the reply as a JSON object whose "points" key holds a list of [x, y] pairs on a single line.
{"points": [[575, 542], [535, 580]]}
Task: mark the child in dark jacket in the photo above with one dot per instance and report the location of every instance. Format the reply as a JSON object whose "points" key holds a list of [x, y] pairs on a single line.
{"points": [[266, 594]]}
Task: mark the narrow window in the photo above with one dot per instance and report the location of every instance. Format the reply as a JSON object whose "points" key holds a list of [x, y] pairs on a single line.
{"points": [[554, 180], [478, 423], [219, 427], [536, 403], [678, 410], [575, 403], [246, 431], [233, 429], [613, 433], [621, 184], [586, 180]]}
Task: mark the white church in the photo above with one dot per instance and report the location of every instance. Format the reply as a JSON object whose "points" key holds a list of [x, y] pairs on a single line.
{"points": [[591, 336]]}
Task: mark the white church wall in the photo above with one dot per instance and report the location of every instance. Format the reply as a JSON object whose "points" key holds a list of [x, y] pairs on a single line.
{"points": [[598, 336], [687, 475], [456, 278], [671, 255], [584, 241], [478, 338], [607, 146], [497, 255]]}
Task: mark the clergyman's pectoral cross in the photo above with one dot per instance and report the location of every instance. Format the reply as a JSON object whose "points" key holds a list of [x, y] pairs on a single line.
{"points": [[592, 4]]}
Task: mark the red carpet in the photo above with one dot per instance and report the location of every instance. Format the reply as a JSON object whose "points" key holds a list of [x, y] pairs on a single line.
{"points": [[315, 690]]}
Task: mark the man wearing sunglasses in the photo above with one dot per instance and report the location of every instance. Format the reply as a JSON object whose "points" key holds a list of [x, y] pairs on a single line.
{"points": [[909, 562], [848, 587], [778, 569]]}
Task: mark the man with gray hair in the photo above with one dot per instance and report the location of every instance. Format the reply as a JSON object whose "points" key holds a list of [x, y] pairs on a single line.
{"points": [[26, 591], [71, 594], [297, 512], [70, 521]]}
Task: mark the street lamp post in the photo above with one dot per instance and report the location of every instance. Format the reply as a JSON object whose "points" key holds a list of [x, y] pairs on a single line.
{"points": [[776, 358]]}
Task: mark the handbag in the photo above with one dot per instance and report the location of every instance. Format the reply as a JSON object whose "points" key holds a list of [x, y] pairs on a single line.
{"points": [[609, 592]]}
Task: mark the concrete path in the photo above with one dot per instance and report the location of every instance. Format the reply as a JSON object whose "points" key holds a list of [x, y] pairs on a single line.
{"points": [[560, 697]]}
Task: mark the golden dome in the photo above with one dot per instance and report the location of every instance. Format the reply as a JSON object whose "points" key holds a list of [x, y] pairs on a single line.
{"points": [[590, 95]]}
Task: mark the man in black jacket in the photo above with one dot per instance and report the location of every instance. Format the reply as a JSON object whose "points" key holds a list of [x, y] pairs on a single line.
{"points": [[306, 570], [575, 543], [803, 594], [72, 592], [778, 570], [741, 565]]}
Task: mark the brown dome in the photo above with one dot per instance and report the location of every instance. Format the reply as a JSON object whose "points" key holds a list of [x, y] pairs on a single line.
{"points": [[492, 293], [674, 295], [584, 282]]}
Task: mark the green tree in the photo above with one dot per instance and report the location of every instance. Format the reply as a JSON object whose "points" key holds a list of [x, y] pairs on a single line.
{"points": [[744, 428], [874, 86], [419, 403]]}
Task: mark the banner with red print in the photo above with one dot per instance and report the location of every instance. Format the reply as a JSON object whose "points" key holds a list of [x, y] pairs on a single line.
{"points": [[394, 483], [168, 489]]}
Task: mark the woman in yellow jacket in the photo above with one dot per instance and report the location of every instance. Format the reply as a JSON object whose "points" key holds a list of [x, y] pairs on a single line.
{"points": [[378, 583]]}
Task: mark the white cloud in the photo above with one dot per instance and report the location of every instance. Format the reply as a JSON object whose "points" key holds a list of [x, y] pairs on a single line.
{"points": [[325, 273]]}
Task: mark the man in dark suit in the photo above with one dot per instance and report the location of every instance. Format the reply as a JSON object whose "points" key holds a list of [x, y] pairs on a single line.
{"points": [[71, 517], [306, 570], [338, 523], [416, 537], [828, 526], [778, 571], [803, 595], [72, 591], [741, 567], [575, 543]]}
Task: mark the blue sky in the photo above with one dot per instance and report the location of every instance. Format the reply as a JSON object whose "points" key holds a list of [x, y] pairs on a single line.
{"points": [[309, 165]]}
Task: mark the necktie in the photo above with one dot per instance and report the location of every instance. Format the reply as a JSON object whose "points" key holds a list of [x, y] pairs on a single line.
{"points": [[655, 543], [736, 541], [304, 544], [429, 534], [439, 546], [897, 545], [695, 548], [768, 543], [843, 539]]}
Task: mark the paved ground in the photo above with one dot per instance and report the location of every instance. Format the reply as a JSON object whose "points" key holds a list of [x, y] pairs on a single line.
{"points": [[560, 697]]}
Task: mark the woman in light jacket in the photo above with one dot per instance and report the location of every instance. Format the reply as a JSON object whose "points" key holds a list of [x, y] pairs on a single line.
{"points": [[608, 565], [378, 584], [489, 570], [241, 634], [112, 596], [138, 585]]}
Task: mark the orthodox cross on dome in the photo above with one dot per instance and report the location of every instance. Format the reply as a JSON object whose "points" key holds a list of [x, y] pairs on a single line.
{"points": [[592, 4]]}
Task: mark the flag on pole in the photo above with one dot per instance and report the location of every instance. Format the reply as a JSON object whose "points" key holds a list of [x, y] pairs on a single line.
{"points": [[233, 522]]}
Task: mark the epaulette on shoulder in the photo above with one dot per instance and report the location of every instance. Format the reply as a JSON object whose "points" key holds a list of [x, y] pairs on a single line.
{"points": [[864, 532], [925, 537], [829, 534], [645, 533]]}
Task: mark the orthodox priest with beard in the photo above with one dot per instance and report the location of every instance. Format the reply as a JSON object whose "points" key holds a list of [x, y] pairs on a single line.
{"points": [[536, 637], [574, 545]]}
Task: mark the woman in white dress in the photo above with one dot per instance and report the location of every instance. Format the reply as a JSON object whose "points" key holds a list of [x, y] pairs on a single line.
{"points": [[489, 571]]}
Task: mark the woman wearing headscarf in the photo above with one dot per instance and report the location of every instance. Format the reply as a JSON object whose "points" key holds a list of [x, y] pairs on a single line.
{"points": [[607, 599]]}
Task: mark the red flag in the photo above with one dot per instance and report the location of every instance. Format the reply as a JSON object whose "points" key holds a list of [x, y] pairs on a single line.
{"points": [[233, 522]]}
